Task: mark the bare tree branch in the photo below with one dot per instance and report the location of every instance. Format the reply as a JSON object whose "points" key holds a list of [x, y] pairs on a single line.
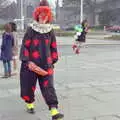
{"points": [[7, 9]]}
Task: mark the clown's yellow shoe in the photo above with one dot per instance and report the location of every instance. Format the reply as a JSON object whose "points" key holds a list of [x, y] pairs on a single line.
{"points": [[30, 108], [55, 114]]}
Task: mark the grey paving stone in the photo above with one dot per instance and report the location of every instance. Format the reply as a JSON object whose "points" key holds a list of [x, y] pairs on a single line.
{"points": [[87, 87], [108, 118]]}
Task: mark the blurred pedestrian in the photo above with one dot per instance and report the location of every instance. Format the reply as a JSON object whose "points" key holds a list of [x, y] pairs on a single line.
{"points": [[6, 50], [80, 36], [15, 48]]}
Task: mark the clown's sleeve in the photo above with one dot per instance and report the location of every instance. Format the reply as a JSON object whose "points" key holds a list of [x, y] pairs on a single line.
{"points": [[53, 48], [25, 47]]}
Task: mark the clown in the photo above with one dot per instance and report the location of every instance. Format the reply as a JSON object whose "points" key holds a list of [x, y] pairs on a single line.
{"points": [[39, 47]]}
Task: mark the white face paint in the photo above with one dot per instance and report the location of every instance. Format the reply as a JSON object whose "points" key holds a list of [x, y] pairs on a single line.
{"points": [[41, 20]]}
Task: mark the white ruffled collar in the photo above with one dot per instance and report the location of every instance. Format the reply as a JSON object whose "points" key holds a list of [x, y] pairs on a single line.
{"points": [[41, 28]]}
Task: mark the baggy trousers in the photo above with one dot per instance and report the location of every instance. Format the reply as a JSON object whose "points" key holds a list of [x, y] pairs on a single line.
{"points": [[28, 80]]}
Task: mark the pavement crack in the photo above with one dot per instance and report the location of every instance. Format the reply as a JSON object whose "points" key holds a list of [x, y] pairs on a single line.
{"points": [[99, 89], [94, 98], [117, 116]]}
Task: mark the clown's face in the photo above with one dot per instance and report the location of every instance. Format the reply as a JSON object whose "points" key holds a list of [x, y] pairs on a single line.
{"points": [[43, 18]]}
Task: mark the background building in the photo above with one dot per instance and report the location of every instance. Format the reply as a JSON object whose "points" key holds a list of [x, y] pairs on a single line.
{"points": [[97, 12]]}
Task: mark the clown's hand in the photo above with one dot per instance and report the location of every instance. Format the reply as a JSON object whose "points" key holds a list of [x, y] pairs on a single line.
{"points": [[31, 65]]}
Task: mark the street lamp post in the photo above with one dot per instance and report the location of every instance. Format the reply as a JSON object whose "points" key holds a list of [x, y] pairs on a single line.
{"points": [[22, 16], [81, 11]]}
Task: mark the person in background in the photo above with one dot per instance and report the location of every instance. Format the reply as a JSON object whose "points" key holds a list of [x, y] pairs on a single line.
{"points": [[80, 36], [6, 50], [15, 48], [39, 47]]}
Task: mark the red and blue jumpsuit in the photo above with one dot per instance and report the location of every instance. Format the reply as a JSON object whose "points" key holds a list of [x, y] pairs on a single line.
{"points": [[41, 49]]}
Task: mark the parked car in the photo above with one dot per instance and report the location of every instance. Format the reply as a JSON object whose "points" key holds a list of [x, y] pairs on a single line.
{"points": [[113, 28]]}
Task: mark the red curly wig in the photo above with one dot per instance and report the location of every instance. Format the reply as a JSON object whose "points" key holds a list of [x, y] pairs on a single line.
{"points": [[46, 10]]}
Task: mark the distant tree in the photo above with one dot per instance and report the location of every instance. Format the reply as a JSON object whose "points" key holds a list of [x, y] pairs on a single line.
{"points": [[4, 4], [8, 10], [108, 15], [89, 7]]}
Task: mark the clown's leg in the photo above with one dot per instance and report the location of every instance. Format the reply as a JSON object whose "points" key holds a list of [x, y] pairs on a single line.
{"points": [[49, 93], [28, 81]]}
